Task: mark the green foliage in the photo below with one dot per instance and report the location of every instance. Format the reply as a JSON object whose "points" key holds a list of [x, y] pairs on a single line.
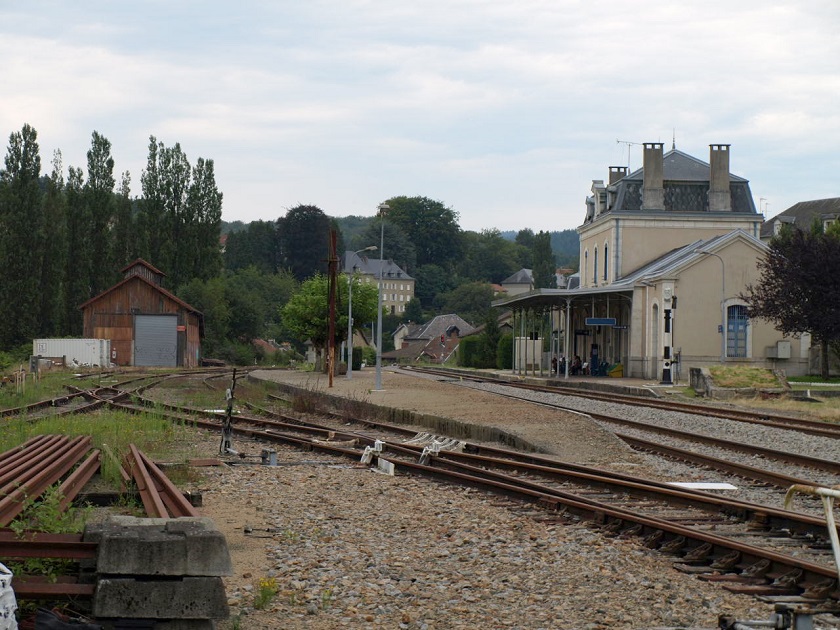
{"points": [[397, 246], [799, 287], [414, 312], [21, 239], [489, 257], [470, 301], [431, 226], [504, 353], [469, 351], [45, 515], [306, 315], [304, 236], [266, 592], [432, 281], [543, 262]]}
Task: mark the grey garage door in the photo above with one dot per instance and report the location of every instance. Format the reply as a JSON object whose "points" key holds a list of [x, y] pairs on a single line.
{"points": [[155, 340]]}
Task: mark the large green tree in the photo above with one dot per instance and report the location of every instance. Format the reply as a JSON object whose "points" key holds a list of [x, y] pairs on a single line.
{"points": [[471, 301], [99, 199], [543, 259], [304, 237], [799, 287], [257, 245], [488, 257], [306, 314], [79, 252], [124, 240], [204, 213], [21, 233], [431, 226], [397, 246], [53, 250]]}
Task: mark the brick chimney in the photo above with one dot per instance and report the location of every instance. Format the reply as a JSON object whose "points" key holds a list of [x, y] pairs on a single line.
{"points": [[616, 173], [720, 198], [653, 192]]}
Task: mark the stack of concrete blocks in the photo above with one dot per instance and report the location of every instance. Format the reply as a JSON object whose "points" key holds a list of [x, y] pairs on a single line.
{"points": [[164, 572]]}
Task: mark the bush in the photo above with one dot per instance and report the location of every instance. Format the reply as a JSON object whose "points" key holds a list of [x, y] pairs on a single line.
{"points": [[358, 354], [504, 353], [469, 352]]}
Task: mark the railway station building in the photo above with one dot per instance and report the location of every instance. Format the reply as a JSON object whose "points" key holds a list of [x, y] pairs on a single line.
{"points": [[665, 253]]}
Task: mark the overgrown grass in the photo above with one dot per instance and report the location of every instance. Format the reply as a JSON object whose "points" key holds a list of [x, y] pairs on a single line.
{"points": [[152, 434], [49, 386], [742, 376]]}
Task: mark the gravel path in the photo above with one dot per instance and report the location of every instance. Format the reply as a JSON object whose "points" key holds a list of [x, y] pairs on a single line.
{"points": [[350, 548]]}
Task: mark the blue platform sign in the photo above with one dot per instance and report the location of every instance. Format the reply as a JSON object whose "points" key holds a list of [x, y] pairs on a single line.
{"points": [[600, 321]]}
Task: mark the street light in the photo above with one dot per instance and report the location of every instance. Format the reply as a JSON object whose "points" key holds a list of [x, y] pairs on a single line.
{"points": [[722, 302], [383, 207], [350, 314]]}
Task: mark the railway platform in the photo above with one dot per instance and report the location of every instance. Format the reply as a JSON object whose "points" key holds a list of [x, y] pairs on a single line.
{"points": [[629, 386]]}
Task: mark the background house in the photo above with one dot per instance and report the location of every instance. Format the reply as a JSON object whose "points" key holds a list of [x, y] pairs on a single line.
{"points": [[146, 324], [397, 285], [434, 341], [802, 216]]}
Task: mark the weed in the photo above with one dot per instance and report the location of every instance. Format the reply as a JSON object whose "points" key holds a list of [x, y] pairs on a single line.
{"points": [[326, 598], [45, 515], [267, 590]]}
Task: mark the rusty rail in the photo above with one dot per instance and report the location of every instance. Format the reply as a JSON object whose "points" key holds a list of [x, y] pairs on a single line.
{"points": [[161, 498], [30, 471]]}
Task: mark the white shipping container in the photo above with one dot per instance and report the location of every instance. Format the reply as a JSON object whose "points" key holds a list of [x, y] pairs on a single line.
{"points": [[84, 352]]}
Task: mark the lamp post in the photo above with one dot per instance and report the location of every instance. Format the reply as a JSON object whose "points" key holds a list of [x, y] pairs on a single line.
{"points": [[722, 302], [350, 314], [383, 207]]}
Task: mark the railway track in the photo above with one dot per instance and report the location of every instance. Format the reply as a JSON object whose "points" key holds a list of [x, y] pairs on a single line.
{"points": [[751, 548], [813, 427], [760, 549]]}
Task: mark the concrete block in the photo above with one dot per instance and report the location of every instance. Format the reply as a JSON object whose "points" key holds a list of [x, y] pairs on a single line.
{"points": [[192, 598], [156, 546]]}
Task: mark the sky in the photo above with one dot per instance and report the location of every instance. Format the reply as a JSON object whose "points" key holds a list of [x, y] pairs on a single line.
{"points": [[503, 111]]}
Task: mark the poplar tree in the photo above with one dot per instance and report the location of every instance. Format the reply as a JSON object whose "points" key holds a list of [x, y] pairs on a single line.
{"points": [[21, 225], [99, 199], [53, 251]]}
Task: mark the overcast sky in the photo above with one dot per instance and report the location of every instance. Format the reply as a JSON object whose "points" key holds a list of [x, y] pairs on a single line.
{"points": [[505, 111]]}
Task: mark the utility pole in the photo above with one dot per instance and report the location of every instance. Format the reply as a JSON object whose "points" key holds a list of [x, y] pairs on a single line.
{"points": [[332, 266]]}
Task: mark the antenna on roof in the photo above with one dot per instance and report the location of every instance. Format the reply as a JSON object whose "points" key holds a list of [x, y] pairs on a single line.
{"points": [[629, 144], [674, 140]]}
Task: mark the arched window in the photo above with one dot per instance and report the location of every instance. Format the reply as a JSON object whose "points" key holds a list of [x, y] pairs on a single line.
{"points": [[585, 266], [606, 261], [736, 331], [595, 264], [655, 350]]}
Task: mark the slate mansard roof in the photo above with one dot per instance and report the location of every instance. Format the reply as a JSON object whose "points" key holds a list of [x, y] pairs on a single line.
{"points": [[686, 185]]}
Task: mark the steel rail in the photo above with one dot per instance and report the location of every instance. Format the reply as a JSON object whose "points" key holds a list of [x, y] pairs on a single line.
{"points": [[73, 485], [174, 499], [40, 545], [152, 501], [41, 476], [814, 427], [779, 480]]}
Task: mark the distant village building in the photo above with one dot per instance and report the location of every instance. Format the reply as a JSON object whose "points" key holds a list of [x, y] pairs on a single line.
{"points": [[434, 341], [802, 216], [397, 285]]}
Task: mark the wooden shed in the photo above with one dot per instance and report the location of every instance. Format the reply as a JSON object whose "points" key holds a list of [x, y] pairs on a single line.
{"points": [[147, 325]]}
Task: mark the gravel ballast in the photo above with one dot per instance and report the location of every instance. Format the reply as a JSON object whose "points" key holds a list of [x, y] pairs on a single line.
{"points": [[349, 547]]}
